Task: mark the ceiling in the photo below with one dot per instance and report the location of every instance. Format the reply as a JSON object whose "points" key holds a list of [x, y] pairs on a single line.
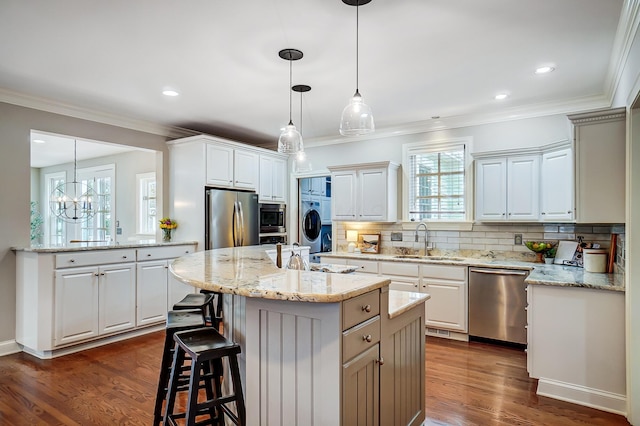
{"points": [[418, 59]]}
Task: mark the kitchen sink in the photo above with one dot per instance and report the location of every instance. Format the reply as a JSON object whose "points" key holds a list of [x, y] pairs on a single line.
{"points": [[417, 256]]}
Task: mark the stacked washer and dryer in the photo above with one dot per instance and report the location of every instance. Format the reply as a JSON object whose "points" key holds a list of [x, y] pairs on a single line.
{"points": [[315, 218]]}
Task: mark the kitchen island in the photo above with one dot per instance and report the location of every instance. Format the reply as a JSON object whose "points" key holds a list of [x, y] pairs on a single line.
{"points": [[317, 348]]}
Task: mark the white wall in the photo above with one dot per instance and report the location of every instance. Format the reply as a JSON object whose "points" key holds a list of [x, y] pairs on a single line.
{"points": [[127, 166], [524, 133], [15, 172]]}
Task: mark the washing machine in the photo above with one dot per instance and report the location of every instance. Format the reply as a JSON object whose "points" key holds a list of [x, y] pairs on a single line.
{"points": [[311, 225]]}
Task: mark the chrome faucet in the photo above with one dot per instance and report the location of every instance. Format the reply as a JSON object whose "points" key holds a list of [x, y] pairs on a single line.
{"points": [[422, 224]]}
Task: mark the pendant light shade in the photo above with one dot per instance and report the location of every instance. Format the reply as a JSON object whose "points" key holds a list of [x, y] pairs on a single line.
{"points": [[73, 201], [301, 163], [290, 141], [357, 117]]}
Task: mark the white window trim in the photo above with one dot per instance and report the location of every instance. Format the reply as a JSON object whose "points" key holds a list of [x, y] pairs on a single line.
{"points": [[439, 145], [105, 170], [46, 203], [139, 178]]}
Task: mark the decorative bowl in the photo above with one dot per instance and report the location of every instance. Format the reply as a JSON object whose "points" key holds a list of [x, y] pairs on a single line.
{"points": [[540, 248]]}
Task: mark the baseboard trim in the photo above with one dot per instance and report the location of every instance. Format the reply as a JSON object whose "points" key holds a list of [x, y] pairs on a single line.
{"points": [[9, 347], [582, 395], [94, 343]]}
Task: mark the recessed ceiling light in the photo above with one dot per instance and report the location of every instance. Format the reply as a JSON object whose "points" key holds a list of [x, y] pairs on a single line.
{"points": [[544, 70], [38, 141], [501, 96], [170, 93]]}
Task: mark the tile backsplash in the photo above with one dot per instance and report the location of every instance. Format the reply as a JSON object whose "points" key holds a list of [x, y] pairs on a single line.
{"points": [[494, 240]]}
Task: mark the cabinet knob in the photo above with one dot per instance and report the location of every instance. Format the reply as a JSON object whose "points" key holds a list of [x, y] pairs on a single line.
{"points": [[187, 251], [543, 213], [367, 338], [148, 254], [380, 361], [97, 275], [124, 257], [509, 214], [415, 285], [366, 308], [72, 260], [569, 212]]}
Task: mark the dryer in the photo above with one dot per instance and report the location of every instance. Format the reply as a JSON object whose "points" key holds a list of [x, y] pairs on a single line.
{"points": [[311, 225]]}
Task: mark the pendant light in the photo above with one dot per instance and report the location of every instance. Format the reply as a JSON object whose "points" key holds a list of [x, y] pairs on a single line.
{"points": [[301, 164], [357, 117], [73, 201], [290, 141]]}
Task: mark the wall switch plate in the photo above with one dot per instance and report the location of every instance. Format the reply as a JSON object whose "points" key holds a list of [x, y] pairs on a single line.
{"points": [[118, 231], [517, 239], [396, 236]]}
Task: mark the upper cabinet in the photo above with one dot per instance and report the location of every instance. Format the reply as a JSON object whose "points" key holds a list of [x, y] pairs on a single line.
{"points": [[273, 179], [600, 166], [531, 185], [365, 192], [231, 167], [507, 188]]}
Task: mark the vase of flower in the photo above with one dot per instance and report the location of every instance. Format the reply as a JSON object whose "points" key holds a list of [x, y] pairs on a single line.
{"points": [[167, 225]]}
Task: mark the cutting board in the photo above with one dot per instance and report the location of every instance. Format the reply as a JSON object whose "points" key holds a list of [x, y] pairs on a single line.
{"points": [[565, 251]]}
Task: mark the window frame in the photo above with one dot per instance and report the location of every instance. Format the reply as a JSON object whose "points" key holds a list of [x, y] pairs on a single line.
{"points": [[91, 173], [140, 177], [439, 145], [50, 218]]}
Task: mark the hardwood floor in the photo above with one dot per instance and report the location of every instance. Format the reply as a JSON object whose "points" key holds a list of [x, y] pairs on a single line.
{"points": [[467, 384]]}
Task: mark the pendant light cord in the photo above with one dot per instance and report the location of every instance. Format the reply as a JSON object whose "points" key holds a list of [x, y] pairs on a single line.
{"points": [[357, 44], [290, 83]]}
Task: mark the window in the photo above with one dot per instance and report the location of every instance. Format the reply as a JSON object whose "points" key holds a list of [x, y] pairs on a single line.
{"points": [[436, 181], [146, 205], [100, 226], [54, 228]]}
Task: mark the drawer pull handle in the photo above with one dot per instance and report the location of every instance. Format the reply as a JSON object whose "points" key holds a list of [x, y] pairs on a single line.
{"points": [[148, 254], [380, 361], [124, 257], [366, 308], [367, 338]]}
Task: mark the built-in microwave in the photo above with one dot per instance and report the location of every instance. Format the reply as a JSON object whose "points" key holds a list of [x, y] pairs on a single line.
{"points": [[273, 218]]}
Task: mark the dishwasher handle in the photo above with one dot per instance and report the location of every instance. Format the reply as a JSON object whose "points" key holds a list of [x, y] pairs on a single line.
{"points": [[499, 271]]}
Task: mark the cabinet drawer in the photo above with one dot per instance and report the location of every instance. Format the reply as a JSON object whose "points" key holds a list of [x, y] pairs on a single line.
{"points": [[400, 269], [95, 257], [360, 308], [360, 338], [154, 253], [368, 266], [457, 273]]}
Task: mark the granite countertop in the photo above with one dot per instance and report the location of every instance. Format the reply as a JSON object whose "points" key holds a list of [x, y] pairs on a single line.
{"points": [[249, 272], [100, 246], [540, 274], [402, 301]]}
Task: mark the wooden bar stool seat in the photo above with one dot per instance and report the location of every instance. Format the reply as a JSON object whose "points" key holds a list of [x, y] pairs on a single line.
{"points": [[202, 301], [206, 346], [176, 321], [217, 315]]}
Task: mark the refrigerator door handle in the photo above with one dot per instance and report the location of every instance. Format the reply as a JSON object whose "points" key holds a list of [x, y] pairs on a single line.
{"points": [[241, 216], [235, 224]]}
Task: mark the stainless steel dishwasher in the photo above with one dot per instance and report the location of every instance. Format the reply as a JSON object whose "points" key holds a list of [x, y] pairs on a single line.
{"points": [[497, 302]]}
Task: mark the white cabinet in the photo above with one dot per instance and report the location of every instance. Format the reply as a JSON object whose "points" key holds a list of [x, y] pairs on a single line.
{"points": [[447, 285], [507, 188], [92, 301], [325, 210], [365, 192], [151, 292], [314, 186], [556, 186], [231, 167], [273, 179], [600, 149]]}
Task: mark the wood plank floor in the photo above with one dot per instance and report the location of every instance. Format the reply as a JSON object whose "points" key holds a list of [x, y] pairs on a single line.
{"points": [[467, 384]]}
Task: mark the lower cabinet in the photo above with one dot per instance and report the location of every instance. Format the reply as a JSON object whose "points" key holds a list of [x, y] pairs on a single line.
{"points": [[152, 290], [93, 301], [361, 389]]}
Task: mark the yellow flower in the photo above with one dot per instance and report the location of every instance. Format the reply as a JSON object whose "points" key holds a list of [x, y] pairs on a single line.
{"points": [[168, 223]]}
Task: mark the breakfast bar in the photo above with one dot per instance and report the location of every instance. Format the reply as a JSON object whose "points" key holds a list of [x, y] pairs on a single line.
{"points": [[317, 347]]}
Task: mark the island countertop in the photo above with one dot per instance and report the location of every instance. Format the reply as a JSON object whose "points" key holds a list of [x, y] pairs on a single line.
{"points": [[90, 246], [249, 272]]}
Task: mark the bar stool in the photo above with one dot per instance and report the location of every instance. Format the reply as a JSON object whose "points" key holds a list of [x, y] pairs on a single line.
{"points": [[216, 317], [205, 346], [176, 321], [202, 301]]}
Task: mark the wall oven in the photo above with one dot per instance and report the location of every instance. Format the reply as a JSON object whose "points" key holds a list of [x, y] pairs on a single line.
{"points": [[273, 218]]}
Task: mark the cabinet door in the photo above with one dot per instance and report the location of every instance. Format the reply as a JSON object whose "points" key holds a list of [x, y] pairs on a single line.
{"points": [[245, 170], [404, 283], [447, 308], [361, 389], [318, 186], [556, 180], [151, 290], [343, 197], [76, 305], [491, 189], [219, 165], [265, 190], [117, 298], [523, 188], [279, 180], [325, 211], [372, 200]]}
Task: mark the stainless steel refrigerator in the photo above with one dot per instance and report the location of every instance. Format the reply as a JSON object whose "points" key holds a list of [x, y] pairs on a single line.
{"points": [[231, 218]]}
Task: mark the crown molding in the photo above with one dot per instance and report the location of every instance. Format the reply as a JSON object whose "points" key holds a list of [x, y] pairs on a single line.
{"points": [[625, 33], [49, 105], [582, 104]]}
